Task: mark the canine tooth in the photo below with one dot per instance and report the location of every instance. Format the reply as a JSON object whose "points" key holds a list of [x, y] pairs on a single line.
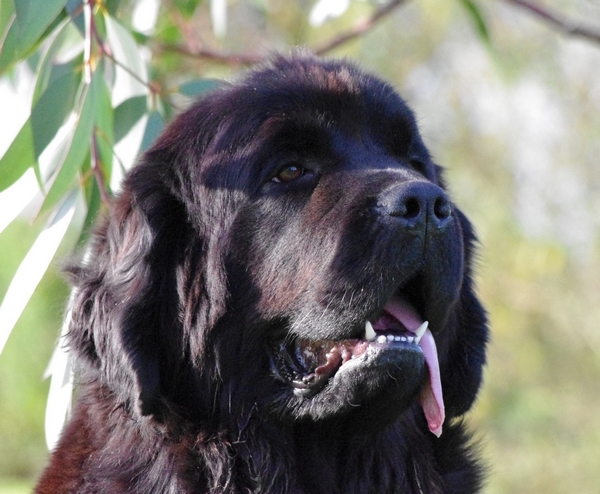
{"points": [[420, 331], [370, 334], [381, 339]]}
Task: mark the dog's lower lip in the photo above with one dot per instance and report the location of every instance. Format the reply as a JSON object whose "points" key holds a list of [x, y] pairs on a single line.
{"points": [[306, 365]]}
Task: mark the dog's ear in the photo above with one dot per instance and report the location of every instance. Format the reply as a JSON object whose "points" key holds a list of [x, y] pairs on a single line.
{"points": [[126, 292], [465, 356]]}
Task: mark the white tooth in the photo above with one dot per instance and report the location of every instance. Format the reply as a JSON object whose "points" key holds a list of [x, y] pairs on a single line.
{"points": [[410, 339], [370, 334], [390, 337], [403, 338], [381, 339], [420, 331], [396, 338]]}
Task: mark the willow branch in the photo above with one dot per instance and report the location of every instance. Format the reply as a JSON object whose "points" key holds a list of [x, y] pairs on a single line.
{"points": [[212, 55], [556, 20], [195, 47], [358, 30]]}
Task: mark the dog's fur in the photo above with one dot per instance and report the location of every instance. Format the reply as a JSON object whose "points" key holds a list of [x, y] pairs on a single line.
{"points": [[275, 217]]}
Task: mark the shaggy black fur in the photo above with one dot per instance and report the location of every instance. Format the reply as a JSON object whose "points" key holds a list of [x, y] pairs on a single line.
{"points": [[219, 317]]}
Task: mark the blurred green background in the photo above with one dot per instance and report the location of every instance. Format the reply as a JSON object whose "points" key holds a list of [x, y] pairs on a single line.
{"points": [[512, 109]]}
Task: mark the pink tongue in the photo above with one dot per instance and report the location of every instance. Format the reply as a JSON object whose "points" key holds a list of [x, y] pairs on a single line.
{"points": [[430, 398]]}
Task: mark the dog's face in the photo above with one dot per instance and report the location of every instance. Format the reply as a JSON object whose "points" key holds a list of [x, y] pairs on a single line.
{"points": [[311, 265]]}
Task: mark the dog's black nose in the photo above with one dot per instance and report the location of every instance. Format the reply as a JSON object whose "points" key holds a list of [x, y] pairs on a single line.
{"points": [[418, 205]]}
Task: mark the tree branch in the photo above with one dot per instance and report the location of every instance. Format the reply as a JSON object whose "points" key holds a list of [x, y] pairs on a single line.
{"points": [[195, 47], [556, 20], [358, 30], [212, 55]]}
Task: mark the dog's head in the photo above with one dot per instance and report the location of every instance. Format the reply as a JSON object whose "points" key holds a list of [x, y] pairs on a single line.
{"points": [[287, 248]]}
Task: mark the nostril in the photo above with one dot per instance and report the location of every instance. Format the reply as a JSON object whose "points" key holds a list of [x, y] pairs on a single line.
{"points": [[416, 204], [412, 208], [407, 208], [442, 208]]}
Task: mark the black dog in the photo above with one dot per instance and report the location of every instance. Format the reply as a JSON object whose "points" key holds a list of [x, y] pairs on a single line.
{"points": [[280, 301]]}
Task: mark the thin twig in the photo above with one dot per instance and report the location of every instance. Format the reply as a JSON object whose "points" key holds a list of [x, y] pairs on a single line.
{"points": [[154, 88], [195, 47], [212, 55], [360, 28], [556, 20]]}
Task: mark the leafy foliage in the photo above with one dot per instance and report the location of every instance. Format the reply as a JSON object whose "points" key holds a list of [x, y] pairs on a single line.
{"points": [[91, 92]]}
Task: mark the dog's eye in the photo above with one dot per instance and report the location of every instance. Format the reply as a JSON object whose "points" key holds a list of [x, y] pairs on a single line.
{"points": [[289, 173]]}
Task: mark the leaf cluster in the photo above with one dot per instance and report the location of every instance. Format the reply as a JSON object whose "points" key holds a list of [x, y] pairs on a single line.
{"points": [[93, 109]]}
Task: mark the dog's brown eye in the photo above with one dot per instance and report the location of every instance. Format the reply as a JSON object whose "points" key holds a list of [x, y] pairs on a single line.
{"points": [[289, 173]]}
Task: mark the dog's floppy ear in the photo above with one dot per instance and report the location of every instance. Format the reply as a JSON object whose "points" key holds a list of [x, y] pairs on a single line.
{"points": [[126, 291], [465, 357]]}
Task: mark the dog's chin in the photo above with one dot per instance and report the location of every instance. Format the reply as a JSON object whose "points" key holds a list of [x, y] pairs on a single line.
{"points": [[373, 382]]}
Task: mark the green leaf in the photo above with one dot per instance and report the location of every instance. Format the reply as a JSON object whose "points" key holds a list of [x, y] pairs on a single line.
{"points": [[75, 10], [127, 114], [100, 25], [32, 19], [141, 38], [7, 16], [93, 200], [16, 198], [18, 158], [53, 107], [76, 157], [68, 38], [104, 133], [112, 6], [46, 118], [80, 145], [127, 53], [33, 267], [198, 86], [55, 159], [154, 127], [186, 7], [477, 19]]}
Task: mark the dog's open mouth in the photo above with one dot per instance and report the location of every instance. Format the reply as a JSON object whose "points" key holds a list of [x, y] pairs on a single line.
{"points": [[309, 364]]}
